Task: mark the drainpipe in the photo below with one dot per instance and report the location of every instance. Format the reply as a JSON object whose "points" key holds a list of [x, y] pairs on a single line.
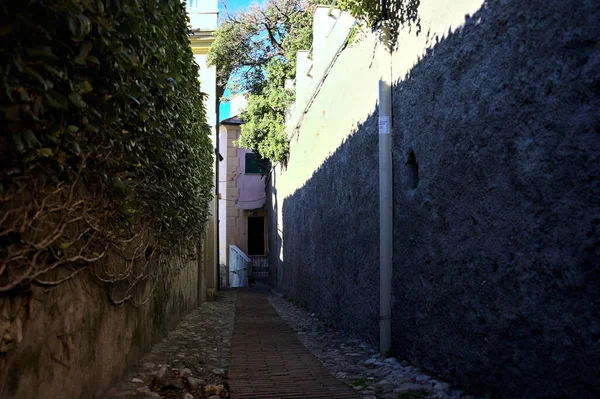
{"points": [[385, 193], [219, 93]]}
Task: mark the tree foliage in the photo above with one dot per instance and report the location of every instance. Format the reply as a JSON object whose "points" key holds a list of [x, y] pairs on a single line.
{"points": [[103, 136], [255, 51], [398, 13], [247, 40], [264, 116]]}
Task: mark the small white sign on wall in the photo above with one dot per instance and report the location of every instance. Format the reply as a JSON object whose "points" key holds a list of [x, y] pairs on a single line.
{"points": [[384, 125]]}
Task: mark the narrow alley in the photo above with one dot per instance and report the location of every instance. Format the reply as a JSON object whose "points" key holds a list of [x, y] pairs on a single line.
{"points": [[253, 343], [295, 199]]}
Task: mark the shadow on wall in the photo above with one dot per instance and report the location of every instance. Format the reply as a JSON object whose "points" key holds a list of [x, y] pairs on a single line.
{"points": [[275, 236], [496, 208], [331, 236]]}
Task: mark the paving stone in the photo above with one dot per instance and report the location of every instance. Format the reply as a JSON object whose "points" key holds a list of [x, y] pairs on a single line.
{"points": [[194, 383], [194, 359], [200, 343], [185, 372], [269, 361], [174, 385], [162, 376], [338, 353], [214, 390], [410, 387], [441, 386]]}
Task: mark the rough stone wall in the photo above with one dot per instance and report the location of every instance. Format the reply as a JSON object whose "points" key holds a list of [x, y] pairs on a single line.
{"points": [[76, 344], [496, 197]]}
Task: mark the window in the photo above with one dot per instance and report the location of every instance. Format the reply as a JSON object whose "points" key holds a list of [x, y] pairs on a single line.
{"points": [[252, 164]]}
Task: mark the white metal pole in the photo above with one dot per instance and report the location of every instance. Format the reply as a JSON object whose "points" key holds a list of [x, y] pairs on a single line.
{"points": [[385, 195]]}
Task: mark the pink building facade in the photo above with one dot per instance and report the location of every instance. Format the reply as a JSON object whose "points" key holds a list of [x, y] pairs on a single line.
{"points": [[242, 195]]}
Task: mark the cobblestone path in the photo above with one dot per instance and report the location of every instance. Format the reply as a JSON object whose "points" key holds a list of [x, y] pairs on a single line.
{"points": [[251, 343], [358, 364], [269, 361], [191, 361]]}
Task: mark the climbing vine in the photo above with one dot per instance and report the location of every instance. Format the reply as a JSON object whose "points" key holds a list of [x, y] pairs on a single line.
{"points": [[106, 150], [398, 13]]}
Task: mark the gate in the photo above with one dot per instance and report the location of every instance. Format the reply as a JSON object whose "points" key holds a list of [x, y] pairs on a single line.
{"points": [[260, 266]]}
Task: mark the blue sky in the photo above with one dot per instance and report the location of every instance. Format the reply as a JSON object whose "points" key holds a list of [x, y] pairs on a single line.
{"points": [[232, 5]]}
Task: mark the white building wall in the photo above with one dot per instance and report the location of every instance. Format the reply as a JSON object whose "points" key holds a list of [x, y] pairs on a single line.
{"points": [[223, 193], [237, 104], [208, 76], [204, 16], [330, 32]]}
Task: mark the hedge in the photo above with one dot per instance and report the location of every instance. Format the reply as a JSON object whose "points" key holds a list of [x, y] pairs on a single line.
{"points": [[104, 137]]}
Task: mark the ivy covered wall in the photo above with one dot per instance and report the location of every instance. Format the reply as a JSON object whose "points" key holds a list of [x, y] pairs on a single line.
{"points": [[105, 177]]}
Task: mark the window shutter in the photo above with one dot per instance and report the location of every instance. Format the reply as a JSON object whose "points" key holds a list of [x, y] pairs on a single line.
{"points": [[251, 164]]}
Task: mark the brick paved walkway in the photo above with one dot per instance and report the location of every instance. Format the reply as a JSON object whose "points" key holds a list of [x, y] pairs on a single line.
{"points": [[268, 360]]}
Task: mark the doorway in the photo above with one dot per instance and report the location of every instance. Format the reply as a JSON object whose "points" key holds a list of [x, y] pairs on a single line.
{"points": [[256, 235]]}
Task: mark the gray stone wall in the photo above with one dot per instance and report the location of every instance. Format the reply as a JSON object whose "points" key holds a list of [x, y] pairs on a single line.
{"points": [[496, 199]]}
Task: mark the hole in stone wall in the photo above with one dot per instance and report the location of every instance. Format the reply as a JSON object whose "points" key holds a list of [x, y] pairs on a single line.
{"points": [[412, 171]]}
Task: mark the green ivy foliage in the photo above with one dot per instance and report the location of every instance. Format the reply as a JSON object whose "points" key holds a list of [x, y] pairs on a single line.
{"points": [[399, 13], [106, 93], [367, 10], [264, 117]]}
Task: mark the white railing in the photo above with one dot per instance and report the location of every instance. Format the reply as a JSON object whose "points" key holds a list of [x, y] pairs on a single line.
{"points": [[238, 267], [259, 266]]}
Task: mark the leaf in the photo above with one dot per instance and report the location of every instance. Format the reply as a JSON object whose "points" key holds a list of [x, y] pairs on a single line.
{"points": [[45, 152], [18, 144], [11, 112], [41, 51], [84, 51], [53, 70], [6, 29], [118, 183], [79, 25], [37, 76], [57, 131], [77, 100], [30, 138], [65, 245], [72, 128], [135, 100], [57, 100], [91, 128], [86, 87], [76, 148]]}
